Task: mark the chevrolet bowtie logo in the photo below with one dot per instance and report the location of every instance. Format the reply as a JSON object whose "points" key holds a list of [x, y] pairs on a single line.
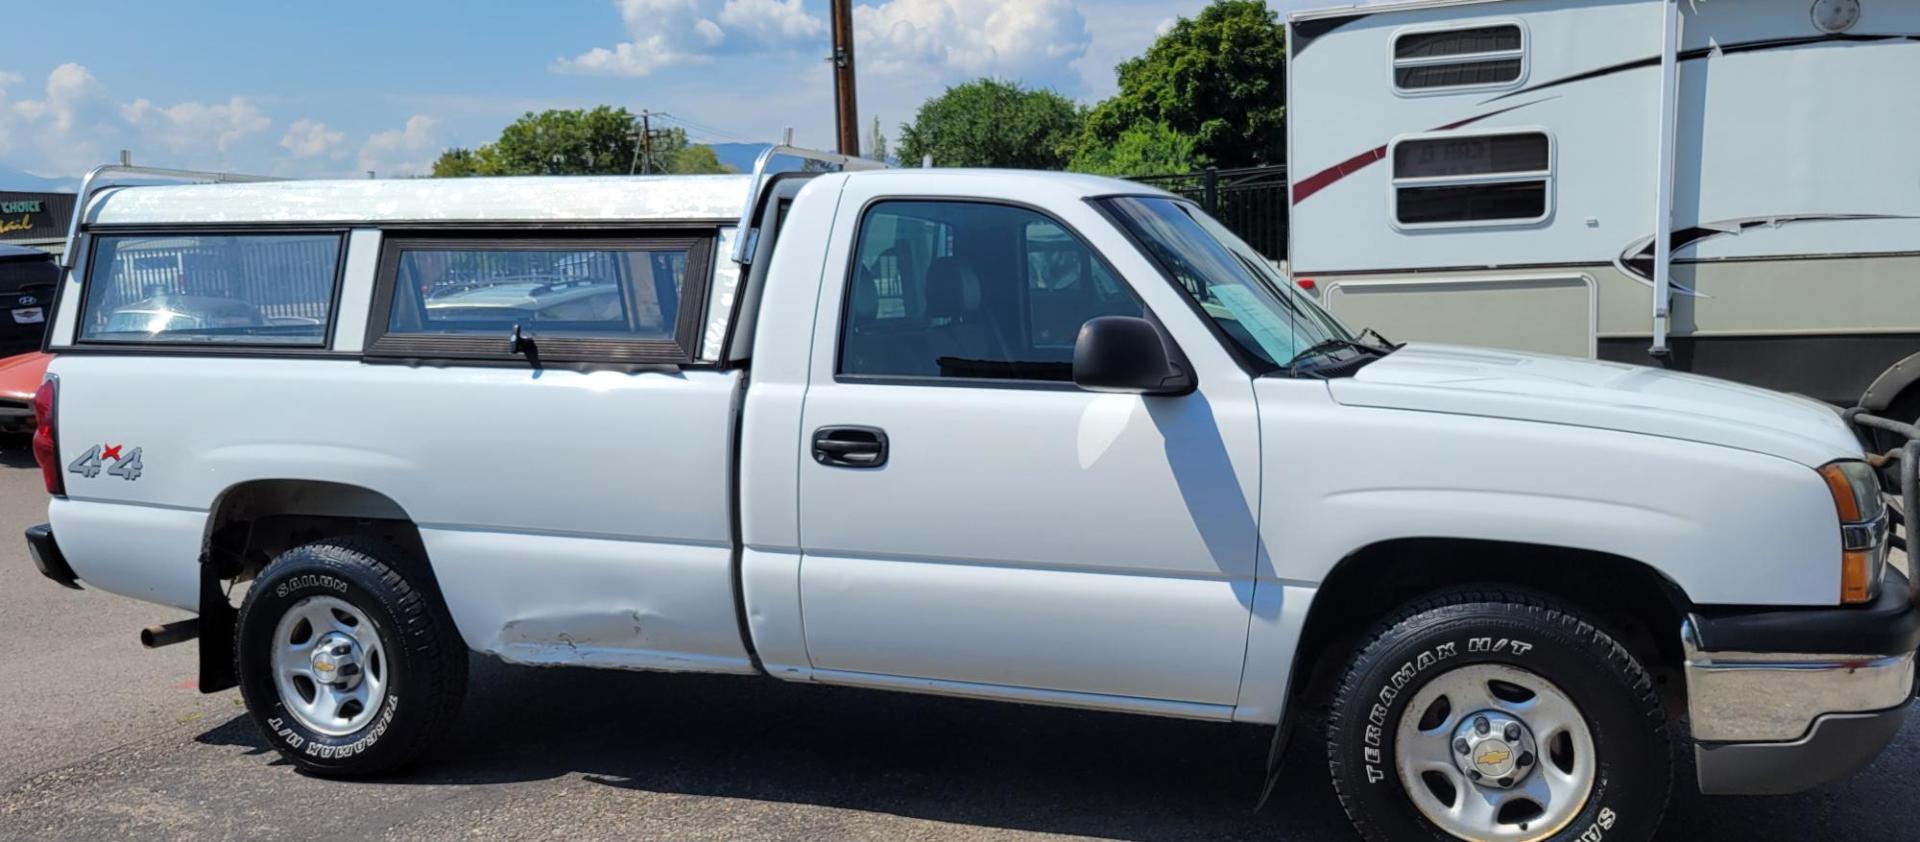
{"points": [[325, 667], [1493, 757]]}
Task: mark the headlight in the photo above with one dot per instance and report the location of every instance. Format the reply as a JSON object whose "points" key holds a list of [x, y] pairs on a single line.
{"points": [[1863, 528]]}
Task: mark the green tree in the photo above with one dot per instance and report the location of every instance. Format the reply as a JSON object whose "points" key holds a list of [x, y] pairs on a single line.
{"points": [[456, 163], [566, 142], [577, 142], [1143, 149], [683, 159], [993, 123], [1219, 77]]}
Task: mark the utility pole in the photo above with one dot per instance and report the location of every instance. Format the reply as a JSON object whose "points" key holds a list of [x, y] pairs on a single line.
{"points": [[846, 111], [643, 144]]}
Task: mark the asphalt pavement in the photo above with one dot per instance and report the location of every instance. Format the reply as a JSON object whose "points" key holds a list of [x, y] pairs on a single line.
{"points": [[101, 739]]}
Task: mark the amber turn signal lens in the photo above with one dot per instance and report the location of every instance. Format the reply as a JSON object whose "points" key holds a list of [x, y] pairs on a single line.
{"points": [[1842, 488], [1856, 577]]}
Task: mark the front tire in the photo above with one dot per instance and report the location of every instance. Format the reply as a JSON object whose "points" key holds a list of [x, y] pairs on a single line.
{"points": [[348, 663], [1493, 715]]}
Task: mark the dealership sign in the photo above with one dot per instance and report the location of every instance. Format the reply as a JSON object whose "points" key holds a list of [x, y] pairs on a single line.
{"points": [[34, 216]]}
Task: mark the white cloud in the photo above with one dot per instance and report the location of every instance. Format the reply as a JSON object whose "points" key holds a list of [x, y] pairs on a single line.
{"points": [[313, 139], [70, 126], [77, 122], [1030, 40], [408, 150], [772, 19], [663, 33], [190, 128], [924, 42]]}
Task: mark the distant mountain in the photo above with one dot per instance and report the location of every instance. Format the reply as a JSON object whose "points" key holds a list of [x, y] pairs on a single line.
{"points": [[739, 156], [12, 179]]}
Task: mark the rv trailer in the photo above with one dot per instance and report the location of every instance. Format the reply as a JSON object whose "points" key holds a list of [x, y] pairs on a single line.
{"points": [[1498, 172]]}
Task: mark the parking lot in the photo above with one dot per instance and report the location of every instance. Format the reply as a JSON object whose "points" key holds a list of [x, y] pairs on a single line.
{"points": [[100, 739]]}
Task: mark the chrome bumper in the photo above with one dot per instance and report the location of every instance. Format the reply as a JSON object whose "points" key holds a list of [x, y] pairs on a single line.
{"points": [[1771, 723], [1757, 697]]}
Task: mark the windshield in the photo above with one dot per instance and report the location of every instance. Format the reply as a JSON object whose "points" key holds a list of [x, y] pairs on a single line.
{"points": [[1231, 283]]}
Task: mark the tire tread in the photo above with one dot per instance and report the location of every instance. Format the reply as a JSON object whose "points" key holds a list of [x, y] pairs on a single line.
{"points": [[1523, 603], [438, 655]]}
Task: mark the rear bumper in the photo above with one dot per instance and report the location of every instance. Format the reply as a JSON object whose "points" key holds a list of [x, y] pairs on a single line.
{"points": [[1786, 700], [47, 557]]}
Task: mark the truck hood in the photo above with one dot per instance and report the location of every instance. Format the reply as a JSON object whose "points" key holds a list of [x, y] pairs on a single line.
{"points": [[1603, 395]]}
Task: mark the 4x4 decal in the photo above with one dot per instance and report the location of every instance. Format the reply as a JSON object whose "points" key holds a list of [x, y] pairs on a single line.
{"points": [[90, 463]]}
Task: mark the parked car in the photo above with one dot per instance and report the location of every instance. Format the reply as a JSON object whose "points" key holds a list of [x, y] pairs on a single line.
{"points": [[27, 278], [20, 378], [836, 441]]}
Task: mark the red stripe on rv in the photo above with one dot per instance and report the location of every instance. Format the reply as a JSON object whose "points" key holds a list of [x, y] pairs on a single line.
{"points": [[1325, 178]]}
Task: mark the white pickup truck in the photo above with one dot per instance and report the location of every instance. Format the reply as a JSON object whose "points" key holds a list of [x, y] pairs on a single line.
{"points": [[1030, 437]]}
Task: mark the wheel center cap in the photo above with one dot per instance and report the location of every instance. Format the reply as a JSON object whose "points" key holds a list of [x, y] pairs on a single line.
{"points": [[1494, 758], [1494, 749], [336, 661]]}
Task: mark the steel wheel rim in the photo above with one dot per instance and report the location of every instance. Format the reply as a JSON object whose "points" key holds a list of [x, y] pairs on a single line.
{"points": [[310, 671], [1558, 783]]}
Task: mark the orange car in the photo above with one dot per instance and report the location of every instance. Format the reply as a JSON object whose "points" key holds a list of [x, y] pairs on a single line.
{"points": [[20, 377]]}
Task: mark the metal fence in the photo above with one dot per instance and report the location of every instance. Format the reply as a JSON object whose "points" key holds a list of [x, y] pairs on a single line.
{"points": [[1251, 201]]}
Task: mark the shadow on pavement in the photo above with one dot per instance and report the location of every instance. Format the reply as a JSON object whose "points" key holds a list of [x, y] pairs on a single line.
{"points": [[977, 763], [973, 763], [17, 457]]}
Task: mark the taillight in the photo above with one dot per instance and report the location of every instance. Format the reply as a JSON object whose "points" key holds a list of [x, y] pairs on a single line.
{"points": [[46, 439]]}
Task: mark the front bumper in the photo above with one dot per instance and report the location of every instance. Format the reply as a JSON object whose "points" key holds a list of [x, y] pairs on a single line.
{"points": [[1785, 700]]}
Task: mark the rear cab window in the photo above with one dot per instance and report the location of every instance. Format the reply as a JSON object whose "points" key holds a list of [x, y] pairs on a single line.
{"points": [[211, 289]]}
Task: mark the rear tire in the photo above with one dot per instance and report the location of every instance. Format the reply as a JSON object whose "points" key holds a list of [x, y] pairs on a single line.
{"points": [[1564, 736], [347, 660]]}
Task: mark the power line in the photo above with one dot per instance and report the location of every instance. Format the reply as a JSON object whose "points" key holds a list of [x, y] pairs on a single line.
{"points": [[643, 137], [706, 129]]}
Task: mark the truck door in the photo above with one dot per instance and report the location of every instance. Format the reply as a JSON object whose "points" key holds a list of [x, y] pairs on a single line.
{"points": [[973, 523]]}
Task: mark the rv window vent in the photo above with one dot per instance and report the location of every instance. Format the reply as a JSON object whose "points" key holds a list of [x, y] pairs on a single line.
{"points": [[1473, 180], [1486, 56]]}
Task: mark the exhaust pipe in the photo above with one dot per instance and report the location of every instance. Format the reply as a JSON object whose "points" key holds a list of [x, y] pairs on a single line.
{"points": [[180, 631]]}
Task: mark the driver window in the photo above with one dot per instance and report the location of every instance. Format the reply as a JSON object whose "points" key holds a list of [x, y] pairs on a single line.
{"points": [[971, 290]]}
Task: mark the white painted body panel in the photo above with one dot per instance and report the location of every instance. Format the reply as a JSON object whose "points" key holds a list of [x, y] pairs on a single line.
{"points": [[1610, 396], [1048, 539], [1727, 525], [1156, 555], [542, 497]]}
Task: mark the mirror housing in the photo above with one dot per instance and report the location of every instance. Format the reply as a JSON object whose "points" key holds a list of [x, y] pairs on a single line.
{"points": [[1127, 355]]}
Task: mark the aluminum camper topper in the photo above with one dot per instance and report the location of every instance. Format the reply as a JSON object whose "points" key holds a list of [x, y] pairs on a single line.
{"points": [[1029, 437]]}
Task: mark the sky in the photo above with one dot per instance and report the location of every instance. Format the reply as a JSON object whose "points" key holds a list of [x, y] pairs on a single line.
{"points": [[341, 88]]}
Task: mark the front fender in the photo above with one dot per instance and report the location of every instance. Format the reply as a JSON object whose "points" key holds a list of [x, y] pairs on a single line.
{"points": [[1728, 526]]}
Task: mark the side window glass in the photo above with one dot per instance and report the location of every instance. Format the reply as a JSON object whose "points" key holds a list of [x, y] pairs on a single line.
{"points": [[1476, 179], [577, 299], [590, 292], [1456, 59], [971, 290], [211, 289]]}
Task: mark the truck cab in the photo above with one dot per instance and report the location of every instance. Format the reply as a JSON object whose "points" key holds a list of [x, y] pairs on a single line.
{"points": [[1028, 437]]}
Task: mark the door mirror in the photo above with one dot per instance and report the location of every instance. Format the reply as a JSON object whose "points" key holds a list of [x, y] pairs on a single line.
{"points": [[1127, 355]]}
